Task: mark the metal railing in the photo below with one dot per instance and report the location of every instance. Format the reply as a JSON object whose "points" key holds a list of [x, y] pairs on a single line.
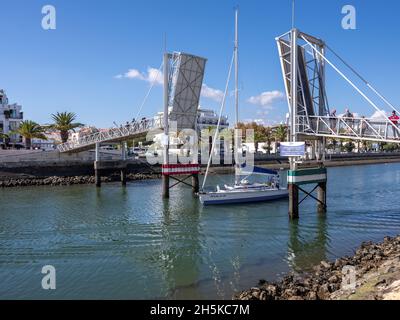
{"points": [[379, 130], [117, 134]]}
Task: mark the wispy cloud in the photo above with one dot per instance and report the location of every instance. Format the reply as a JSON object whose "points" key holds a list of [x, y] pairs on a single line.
{"points": [[151, 75], [211, 93], [154, 75], [266, 99]]}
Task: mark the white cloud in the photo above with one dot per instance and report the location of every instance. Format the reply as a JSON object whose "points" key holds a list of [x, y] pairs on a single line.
{"points": [[151, 75], [211, 93], [379, 115], [266, 99]]}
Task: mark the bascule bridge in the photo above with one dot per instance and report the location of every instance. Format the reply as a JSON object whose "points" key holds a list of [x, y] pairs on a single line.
{"points": [[304, 59]]}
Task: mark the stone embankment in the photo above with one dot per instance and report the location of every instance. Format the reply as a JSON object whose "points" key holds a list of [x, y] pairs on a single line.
{"points": [[376, 270], [64, 181]]}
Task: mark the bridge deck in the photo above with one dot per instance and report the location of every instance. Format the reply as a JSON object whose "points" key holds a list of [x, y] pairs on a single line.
{"points": [[113, 135], [363, 129]]}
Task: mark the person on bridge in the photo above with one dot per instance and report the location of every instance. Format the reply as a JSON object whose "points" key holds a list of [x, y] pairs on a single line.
{"points": [[348, 120], [363, 125], [394, 118], [333, 119]]}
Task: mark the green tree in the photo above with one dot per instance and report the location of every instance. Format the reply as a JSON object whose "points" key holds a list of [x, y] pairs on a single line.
{"points": [[3, 135], [390, 147], [349, 146], [269, 137], [64, 122], [30, 130], [281, 133]]}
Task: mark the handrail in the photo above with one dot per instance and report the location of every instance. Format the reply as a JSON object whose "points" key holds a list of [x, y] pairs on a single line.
{"points": [[352, 128], [111, 134]]}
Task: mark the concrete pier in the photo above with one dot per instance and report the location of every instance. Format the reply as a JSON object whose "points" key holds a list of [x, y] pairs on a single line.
{"points": [[97, 173], [123, 176]]}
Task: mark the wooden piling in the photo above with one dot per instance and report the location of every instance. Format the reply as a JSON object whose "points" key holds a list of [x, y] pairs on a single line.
{"points": [[293, 201], [165, 186], [195, 183]]}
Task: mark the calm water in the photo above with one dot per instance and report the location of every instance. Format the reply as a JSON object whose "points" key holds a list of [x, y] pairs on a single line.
{"points": [[128, 243]]}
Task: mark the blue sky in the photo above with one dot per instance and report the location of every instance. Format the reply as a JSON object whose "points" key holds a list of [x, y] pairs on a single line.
{"points": [[74, 67]]}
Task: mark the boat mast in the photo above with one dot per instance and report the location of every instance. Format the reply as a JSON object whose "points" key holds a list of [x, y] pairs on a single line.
{"points": [[236, 57], [236, 69]]}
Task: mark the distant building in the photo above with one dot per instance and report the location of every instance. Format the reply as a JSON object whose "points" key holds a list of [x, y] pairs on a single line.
{"points": [[84, 131], [206, 119], [11, 117]]}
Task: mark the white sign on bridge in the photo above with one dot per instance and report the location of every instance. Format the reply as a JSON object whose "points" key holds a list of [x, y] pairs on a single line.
{"points": [[292, 149]]}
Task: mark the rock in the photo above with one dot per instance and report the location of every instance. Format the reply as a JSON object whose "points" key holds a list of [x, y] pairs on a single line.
{"points": [[323, 292], [271, 290], [311, 296], [256, 294], [263, 295], [334, 279], [296, 298], [325, 264]]}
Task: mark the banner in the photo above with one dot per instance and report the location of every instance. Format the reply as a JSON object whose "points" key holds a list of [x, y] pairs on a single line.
{"points": [[292, 149]]}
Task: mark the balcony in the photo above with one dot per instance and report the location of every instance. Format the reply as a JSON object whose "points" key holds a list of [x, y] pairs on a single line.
{"points": [[13, 114]]}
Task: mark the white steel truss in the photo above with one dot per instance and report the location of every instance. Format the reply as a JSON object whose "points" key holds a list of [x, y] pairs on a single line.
{"points": [[112, 135], [310, 114], [359, 129]]}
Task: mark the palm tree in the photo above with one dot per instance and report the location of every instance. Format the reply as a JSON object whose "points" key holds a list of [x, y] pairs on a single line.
{"points": [[269, 136], [281, 133], [64, 122], [30, 130], [259, 134], [3, 135]]}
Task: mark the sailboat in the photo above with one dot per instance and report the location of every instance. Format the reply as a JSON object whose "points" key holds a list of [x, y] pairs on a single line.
{"points": [[242, 191]]}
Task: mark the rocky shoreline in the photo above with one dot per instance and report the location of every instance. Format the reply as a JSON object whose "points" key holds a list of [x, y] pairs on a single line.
{"points": [[377, 276], [66, 181]]}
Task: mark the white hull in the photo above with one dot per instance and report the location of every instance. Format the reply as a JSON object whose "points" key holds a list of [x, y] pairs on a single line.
{"points": [[242, 196]]}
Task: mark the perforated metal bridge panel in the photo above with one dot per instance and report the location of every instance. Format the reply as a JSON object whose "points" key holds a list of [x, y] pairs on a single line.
{"points": [[187, 81]]}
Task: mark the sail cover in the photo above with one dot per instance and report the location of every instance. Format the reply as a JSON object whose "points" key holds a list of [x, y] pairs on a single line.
{"points": [[248, 170]]}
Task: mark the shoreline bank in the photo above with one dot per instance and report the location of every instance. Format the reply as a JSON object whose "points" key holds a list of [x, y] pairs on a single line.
{"points": [[376, 270]]}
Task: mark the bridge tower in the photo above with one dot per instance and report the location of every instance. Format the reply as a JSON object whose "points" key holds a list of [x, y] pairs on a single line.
{"points": [[183, 80], [304, 78]]}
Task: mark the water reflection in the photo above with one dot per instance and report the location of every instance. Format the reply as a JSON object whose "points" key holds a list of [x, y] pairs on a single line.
{"points": [[307, 245]]}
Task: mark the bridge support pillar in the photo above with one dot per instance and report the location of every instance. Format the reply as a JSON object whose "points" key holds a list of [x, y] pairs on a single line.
{"points": [[195, 183], [293, 201], [165, 186], [321, 196], [307, 176], [123, 177], [97, 174]]}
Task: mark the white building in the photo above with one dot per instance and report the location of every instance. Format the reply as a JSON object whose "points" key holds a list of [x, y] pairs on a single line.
{"points": [[10, 118], [206, 119]]}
